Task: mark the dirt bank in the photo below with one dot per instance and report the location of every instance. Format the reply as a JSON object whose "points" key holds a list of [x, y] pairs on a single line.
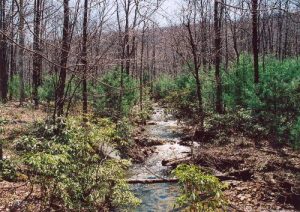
{"points": [[270, 178]]}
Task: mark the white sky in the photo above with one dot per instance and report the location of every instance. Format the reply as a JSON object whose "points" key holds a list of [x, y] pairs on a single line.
{"points": [[169, 12]]}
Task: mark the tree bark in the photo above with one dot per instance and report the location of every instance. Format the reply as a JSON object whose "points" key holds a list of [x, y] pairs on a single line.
{"points": [[37, 59], [196, 72], [141, 69], [3, 54], [84, 61], [60, 91], [12, 61], [255, 49], [218, 48], [21, 51]]}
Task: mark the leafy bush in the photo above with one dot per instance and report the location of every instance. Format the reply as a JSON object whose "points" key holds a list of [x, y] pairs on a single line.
{"points": [[47, 90], [295, 134], [273, 103], [138, 115], [163, 86], [107, 101], [199, 191], [179, 93], [74, 167], [8, 171], [219, 127], [14, 87]]}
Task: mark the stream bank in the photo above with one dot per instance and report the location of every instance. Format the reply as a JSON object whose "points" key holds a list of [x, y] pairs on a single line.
{"points": [[163, 135], [260, 177]]}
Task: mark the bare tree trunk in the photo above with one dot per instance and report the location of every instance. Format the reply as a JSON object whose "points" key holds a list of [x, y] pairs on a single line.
{"points": [[3, 70], [196, 72], [218, 48], [3, 54], [141, 69], [60, 91], [37, 59], [84, 61], [126, 38], [255, 49], [21, 51], [12, 62]]}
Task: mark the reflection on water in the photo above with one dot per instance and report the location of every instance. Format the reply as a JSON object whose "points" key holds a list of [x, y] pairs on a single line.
{"points": [[156, 197], [160, 196]]}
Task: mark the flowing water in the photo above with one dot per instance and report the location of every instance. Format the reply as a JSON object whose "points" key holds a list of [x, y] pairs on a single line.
{"points": [[159, 196]]}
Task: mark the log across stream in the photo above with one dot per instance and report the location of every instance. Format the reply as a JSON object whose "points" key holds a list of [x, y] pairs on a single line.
{"points": [[151, 181]]}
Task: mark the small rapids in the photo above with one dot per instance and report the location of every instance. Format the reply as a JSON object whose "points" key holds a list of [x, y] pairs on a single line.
{"points": [[159, 196]]}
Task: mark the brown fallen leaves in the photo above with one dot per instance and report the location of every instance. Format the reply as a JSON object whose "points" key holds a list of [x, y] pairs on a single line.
{"points": [[275, 183]]}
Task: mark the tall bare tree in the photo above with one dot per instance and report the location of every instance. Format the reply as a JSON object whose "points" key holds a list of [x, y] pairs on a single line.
{"points": [[255, 50], [21, 66], [37, 59], [65, 49], [3, 53], [218, 13], [84, 59]]}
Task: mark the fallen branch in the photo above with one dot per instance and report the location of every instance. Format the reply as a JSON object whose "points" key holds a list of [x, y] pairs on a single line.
{"points": [[152, 181]]}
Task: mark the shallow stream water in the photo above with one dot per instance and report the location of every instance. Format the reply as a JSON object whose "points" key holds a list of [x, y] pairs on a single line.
{"points": [[159, 196]]}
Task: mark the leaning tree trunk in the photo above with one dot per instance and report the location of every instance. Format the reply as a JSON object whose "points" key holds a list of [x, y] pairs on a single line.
{"points": [[197, 64]]}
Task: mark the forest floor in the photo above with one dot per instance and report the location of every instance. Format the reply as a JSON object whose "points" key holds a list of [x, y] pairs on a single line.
{"points": [[264, 177], [15, 122]]}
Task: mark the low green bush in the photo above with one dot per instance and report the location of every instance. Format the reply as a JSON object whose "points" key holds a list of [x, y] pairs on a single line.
{"points": [[14, 88], [199, 191], [273, 103], [47, 90], [8, 170], [68, 162], [107, 101], [219, 127]]}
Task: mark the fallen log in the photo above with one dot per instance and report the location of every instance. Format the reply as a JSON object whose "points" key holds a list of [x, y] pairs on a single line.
{"points": [[151, 181], [175, 162], [222, 177], [245, 174]]}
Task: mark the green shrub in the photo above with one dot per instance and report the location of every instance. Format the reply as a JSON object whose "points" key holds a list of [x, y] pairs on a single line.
{"points": [[273, 103], [138, 115], [14, 88], [69, 162], [179, 93], [107, 99], [163, 86], [47, 90], [199, 191], [219, 127], [9, 172], [295, 134]]}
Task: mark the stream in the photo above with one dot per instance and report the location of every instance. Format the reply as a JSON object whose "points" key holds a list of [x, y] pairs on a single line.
{"points": [[159, 196]]}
